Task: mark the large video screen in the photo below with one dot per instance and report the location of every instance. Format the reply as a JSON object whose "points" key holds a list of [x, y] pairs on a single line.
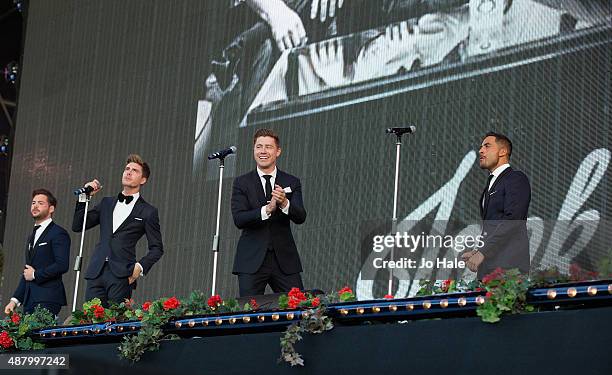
{"points": [[175, 82]]}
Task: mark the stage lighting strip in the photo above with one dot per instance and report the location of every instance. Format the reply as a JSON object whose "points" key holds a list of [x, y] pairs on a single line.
{"points": [[412, 307], [241, 320], [572, 293], [211, 322], [61, 332], [437, 305]]}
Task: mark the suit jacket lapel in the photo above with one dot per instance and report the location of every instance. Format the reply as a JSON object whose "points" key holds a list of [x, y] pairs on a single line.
{"points": [[481, 203], [28, 251], [136, 210], [42, 237], [280, 179], [113, 204], [504, 173], [492, 189], [111, 212], [259, 191]]}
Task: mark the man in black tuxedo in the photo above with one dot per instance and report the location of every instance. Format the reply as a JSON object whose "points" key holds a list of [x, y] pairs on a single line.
{"points": [[46, 260], [266, 252], [503, 206], [123, 219]]}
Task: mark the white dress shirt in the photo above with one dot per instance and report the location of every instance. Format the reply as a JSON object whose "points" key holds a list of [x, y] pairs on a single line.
{"points": [[264, 214], [42, 228], [120, 213], [495, 174]]}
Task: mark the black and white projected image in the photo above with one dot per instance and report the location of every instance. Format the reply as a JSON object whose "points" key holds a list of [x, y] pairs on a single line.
{"points": [[369, 40]]}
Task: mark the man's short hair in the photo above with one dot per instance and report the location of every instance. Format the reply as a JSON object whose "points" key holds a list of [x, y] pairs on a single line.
{"points": [[50, 198], [266, 133], [135, 158], [501, 140]]}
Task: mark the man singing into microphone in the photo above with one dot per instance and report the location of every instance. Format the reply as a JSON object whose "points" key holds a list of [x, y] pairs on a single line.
{"points": [[266, 252], [123, 219]]}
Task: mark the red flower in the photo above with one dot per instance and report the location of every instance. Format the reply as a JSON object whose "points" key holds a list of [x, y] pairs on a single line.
{"points": [[296, 293], [15, 318], [478, 289], [171, 303], [296, 296], [98, 311], [215, 301], [488, 295], [253, 303], [388, 296], [446, 284], [293, 303], [146, 306], [346, 289], [316, 302], [5, 340], [496, 274]]}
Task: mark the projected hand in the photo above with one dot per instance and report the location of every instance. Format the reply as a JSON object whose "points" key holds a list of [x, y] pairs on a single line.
{"points": [[439, 34], [387, 53], [286, 25], [397, 32], [327, 62], [287, 28], [325, 8], [399, 46]]}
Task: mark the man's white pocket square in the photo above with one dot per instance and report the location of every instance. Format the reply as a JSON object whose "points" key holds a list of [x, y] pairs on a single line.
{"points": [[40, 244], [287, 190], [492, 193], [137, 218]]}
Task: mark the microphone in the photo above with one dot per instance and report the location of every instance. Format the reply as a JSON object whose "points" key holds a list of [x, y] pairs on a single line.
{"points": [[223, 153], [84, 190], [399, 131]]}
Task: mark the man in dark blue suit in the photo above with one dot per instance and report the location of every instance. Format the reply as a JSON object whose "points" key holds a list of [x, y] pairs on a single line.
{"points": [[123, 219], [503, 206], [46, 260], [264, 202]]}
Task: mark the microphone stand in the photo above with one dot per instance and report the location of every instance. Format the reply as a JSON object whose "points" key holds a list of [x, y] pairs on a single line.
{"points": [[79, 259], [398, 147], [215, 245]]}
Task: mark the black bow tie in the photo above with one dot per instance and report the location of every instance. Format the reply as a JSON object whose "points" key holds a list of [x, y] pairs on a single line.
{"points": [[126, 198]]}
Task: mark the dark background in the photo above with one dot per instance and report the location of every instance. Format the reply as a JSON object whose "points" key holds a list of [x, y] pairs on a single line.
{"points": [[101, 80], [11, 32]]}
